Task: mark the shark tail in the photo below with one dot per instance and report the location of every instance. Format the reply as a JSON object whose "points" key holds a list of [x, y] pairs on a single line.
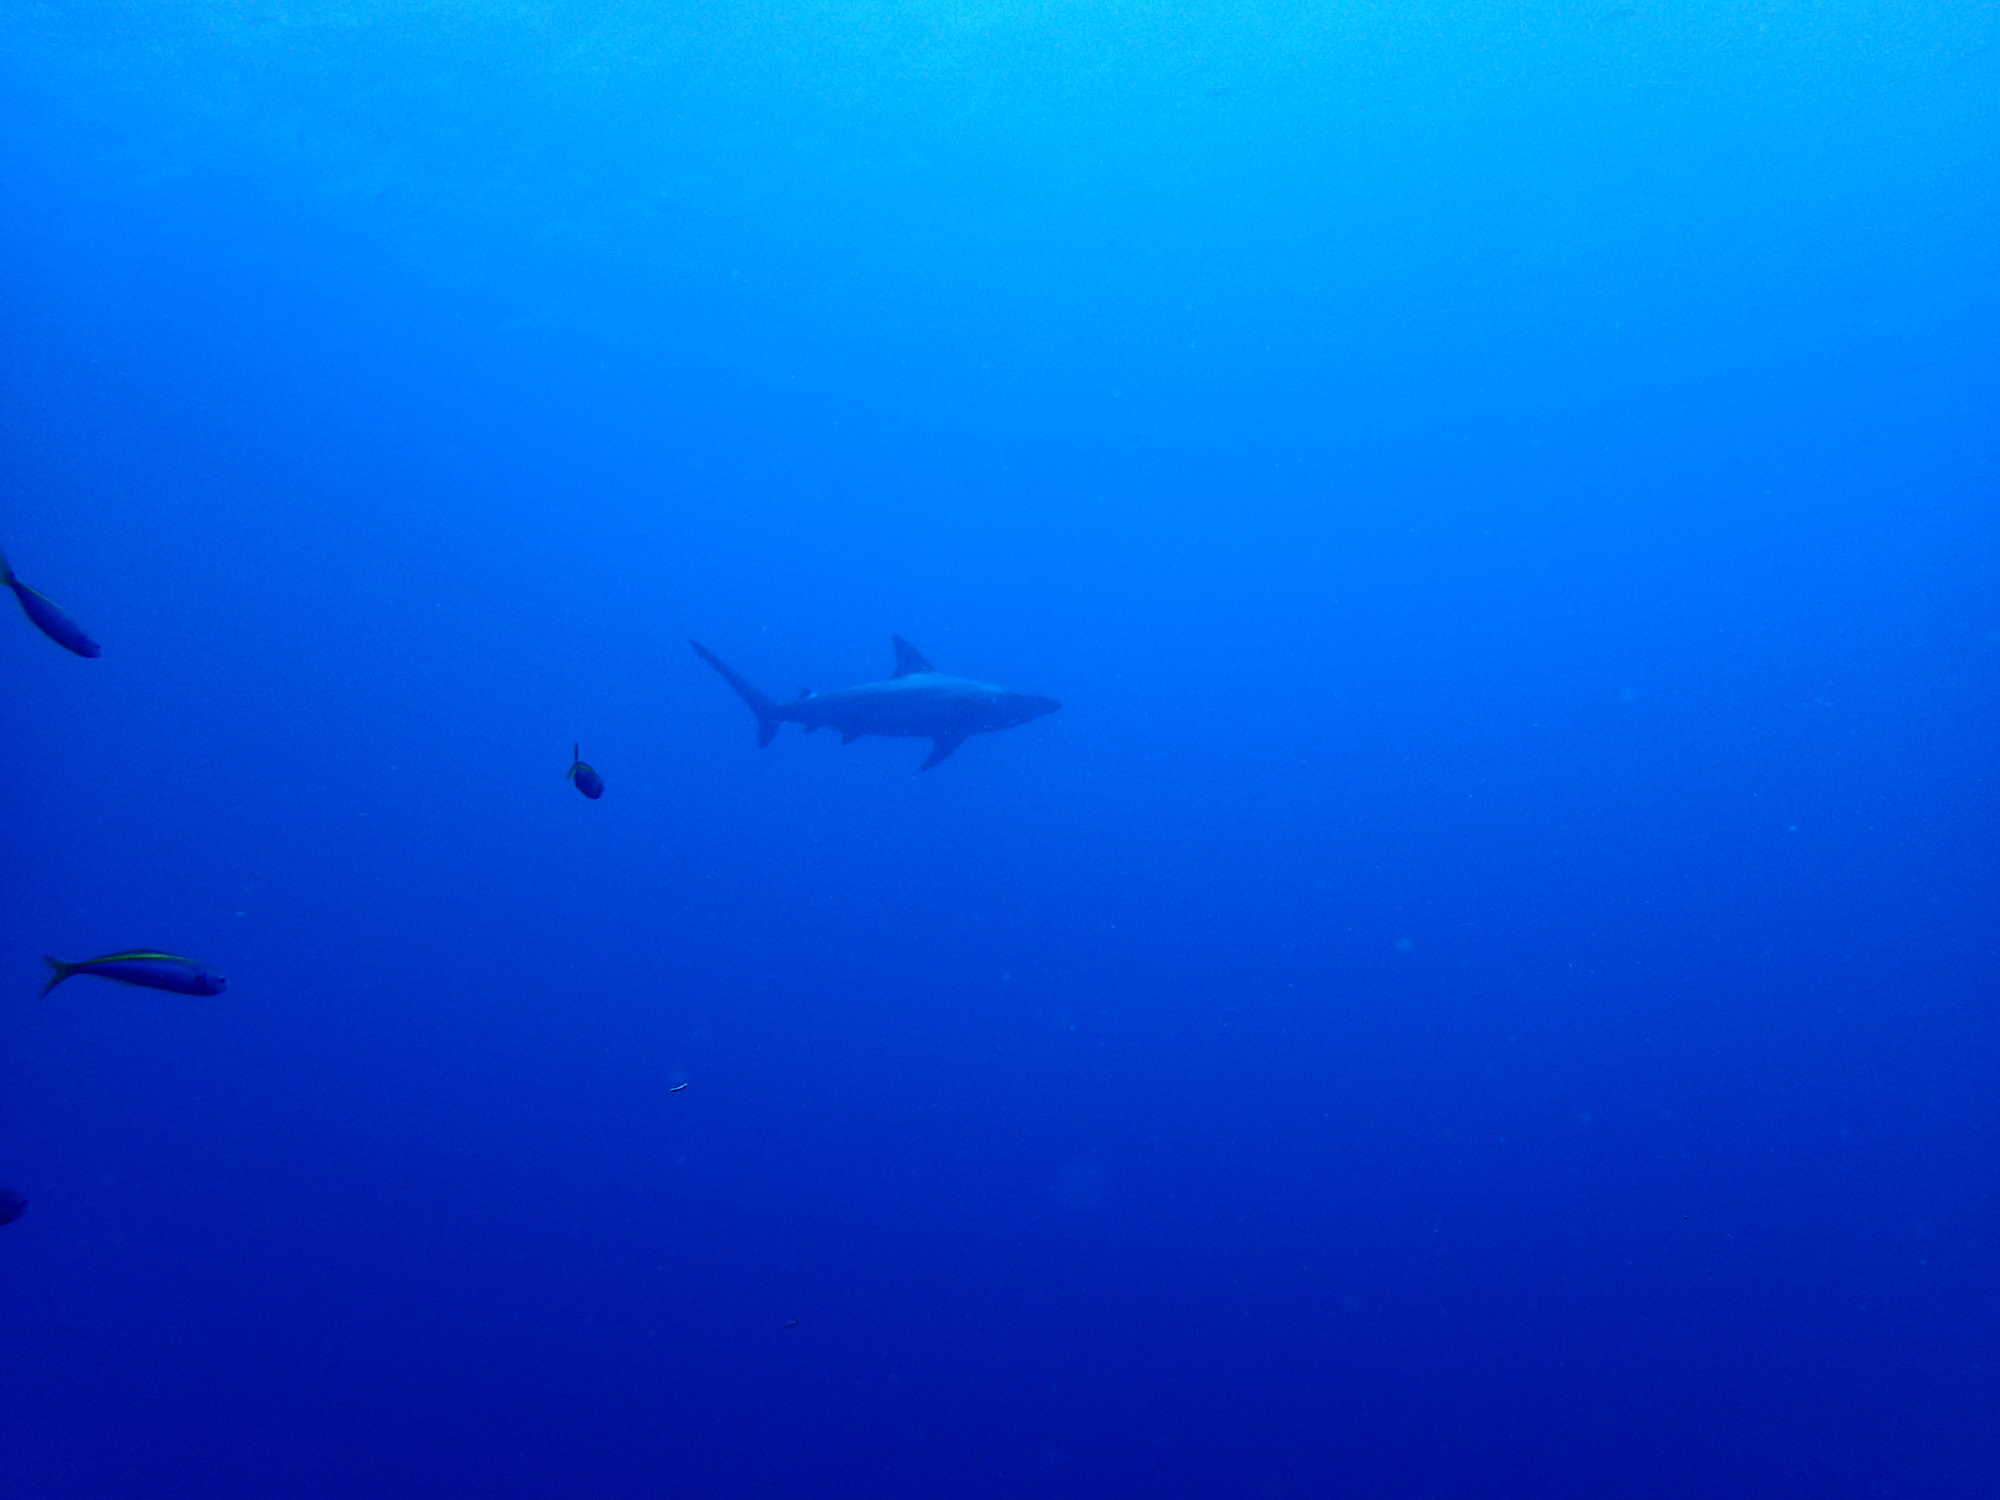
{"points": [[764, 707]]}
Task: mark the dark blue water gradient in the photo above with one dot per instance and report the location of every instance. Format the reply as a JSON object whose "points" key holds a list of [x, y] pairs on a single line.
{"points": [[1485, 989]]}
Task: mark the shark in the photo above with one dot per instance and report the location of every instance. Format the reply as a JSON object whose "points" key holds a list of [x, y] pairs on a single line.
{"points": [[916, 702]]}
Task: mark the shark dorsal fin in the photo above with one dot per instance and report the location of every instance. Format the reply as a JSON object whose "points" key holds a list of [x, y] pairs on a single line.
{"points": [[909, 659]]}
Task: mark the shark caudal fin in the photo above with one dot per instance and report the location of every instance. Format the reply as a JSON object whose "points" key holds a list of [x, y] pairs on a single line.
{"points": [[760, 704], [62, 972]]}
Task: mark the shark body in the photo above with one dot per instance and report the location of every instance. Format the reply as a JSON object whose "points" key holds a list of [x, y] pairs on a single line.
{"points": [[918, 702]]}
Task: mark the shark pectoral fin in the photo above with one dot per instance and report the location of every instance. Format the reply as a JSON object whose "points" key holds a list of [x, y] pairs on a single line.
{"points": [[767, 730], [942, 746]]}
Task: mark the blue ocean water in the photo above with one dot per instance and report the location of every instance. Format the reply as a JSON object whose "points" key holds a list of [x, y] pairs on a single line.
{"points": [[1486, 988]]}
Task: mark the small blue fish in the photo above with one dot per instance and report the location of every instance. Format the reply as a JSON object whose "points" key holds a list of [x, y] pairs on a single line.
{"points": [[12, 1205], [587, 781], [48, 616], [156, 971]]}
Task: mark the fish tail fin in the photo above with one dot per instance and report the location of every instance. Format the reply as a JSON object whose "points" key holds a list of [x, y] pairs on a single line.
{"points": [[6, 573], [769, 716], [575, 760], [61, 972]]}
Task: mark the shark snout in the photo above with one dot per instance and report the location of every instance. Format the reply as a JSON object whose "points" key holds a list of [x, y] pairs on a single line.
{"points": [[1033, 706]]}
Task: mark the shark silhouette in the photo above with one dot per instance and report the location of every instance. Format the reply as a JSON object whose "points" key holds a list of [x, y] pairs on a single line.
{"points": [[918, 702]]}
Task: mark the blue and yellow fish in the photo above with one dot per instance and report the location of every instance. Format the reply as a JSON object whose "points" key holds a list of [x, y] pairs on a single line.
{"points": [[48, 616], [156, 971], [587, 781]]}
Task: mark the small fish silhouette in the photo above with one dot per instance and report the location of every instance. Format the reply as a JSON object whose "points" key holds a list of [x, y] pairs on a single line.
{"points": [[155, 971], [587, 781], [48, 616]]}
